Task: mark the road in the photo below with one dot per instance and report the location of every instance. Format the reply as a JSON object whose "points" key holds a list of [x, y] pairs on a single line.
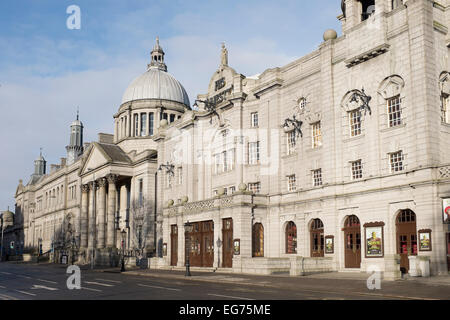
{"points": [[48, 282]]}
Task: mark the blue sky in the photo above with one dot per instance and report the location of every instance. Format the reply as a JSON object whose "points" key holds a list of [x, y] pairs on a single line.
{"points": [[47, 70]]}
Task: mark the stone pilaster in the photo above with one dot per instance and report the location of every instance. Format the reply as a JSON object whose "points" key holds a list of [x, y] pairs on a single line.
{"points": [[101, 211], [92, 227], [112, 194], [84, 216]]}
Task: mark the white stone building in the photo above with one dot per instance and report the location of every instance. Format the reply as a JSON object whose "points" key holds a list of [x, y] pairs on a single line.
{"points": [[336, 161]]}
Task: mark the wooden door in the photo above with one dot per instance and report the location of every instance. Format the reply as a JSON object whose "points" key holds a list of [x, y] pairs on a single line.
{"points": [[207, 249], [352, 236], [406, 238], [317, 239], [195, 239], [174, 245], [227, 245], [258, 240]]}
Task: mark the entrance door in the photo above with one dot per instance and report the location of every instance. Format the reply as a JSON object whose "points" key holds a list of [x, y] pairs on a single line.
{"points": [[201, 241], [207, 244], [227, 248], [317, 238], [352, 236], [406, 237], [174, 245]]}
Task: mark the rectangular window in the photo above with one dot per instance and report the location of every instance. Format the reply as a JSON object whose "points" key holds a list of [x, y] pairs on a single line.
{"points": [[394, 111], [141, 192], [151, 124], [316, 135], [225, 161], [172, 118], [355, 122], [255, 121], [231, 159], [445, 115], [317, 177], [231, 190], [291, 142], [165, 116], [396, 161], [357, 170], [255, 187], [253, 153], [218, 163], [180, 175], [136, 125], [292, 183], [143, 124]]}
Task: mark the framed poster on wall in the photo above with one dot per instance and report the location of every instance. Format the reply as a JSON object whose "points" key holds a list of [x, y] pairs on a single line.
{"points": [[329, 244], [237, 247], [446, 210], [164, 249], [374, 242], [425, 240]]}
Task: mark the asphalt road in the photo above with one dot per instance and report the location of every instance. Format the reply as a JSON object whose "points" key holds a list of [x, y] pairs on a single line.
{"points": [[48, 282]]}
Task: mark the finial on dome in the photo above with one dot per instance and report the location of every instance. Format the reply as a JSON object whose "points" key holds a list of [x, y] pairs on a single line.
{"points": [[224, 58], [78, 113]]}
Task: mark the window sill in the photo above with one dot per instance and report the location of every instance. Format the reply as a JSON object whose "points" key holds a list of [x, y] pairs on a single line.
{"points": [[393, 128], [358, 137]]}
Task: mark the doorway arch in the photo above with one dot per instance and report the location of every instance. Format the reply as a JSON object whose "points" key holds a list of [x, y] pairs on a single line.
{"points": [[317, 238], [258, 240], [406, 231], [352, 245], [291, 238]]}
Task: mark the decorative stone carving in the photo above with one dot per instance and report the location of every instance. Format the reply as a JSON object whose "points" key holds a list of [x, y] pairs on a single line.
{"points": [[101, 182], [242, 187], [391, 86], [85, 188], [112, 178]]}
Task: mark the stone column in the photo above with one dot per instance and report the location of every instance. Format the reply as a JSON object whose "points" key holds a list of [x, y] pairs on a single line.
{"points": [[84, 216], [110, 230], [92, 227], [101, 211]]}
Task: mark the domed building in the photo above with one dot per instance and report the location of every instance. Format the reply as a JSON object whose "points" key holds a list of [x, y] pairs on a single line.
{"points": [[334, 162]]}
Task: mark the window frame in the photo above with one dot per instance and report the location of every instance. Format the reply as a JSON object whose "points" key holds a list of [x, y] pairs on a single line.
{"points": [[394, 111]]}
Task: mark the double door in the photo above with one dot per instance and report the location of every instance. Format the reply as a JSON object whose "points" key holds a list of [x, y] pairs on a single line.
{"points": [[406, 244], [174, 245], [227, 236], [352, 247], [202, 244]]}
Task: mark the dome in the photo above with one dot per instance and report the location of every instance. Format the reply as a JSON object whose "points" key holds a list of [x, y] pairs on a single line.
{"points": [[156, 84]]}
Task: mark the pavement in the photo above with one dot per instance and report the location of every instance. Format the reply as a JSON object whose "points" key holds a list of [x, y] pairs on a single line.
{"points": [[27, 281]]}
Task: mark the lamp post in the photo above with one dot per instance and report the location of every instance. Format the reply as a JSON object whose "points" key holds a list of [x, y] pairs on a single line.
{"points": [[123, 235], [187, 230]]}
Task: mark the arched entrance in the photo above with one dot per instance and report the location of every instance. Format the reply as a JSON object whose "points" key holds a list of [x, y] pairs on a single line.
{"points": [[291, 238], [406, 237], [174, 245], [258, 240], [317, 238], [352, 236]]}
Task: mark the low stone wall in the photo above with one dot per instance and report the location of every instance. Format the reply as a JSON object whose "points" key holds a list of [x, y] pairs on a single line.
{"points": [[265, 266], [306, 265], [157, 263]]}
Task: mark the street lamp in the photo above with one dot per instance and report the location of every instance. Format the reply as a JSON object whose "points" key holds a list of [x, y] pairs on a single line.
{"points": [[187, 230], [169, 168], [123, 235]]}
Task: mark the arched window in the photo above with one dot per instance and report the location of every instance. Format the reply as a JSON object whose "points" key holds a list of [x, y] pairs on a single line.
{"points": [[317, 238], [258, 240], [291, 238]]}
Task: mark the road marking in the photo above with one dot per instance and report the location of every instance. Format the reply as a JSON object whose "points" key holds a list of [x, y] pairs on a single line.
{"points": [[48, 281], [2, 287], [6, 297], [24, 292], [230, 297], [7, 273], [90, 289], [113, 281], [37, 287], [156, 287], [99, 284], [26, 277]]}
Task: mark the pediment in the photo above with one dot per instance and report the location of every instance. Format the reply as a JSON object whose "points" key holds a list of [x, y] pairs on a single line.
{"points": [[96, 158]]}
